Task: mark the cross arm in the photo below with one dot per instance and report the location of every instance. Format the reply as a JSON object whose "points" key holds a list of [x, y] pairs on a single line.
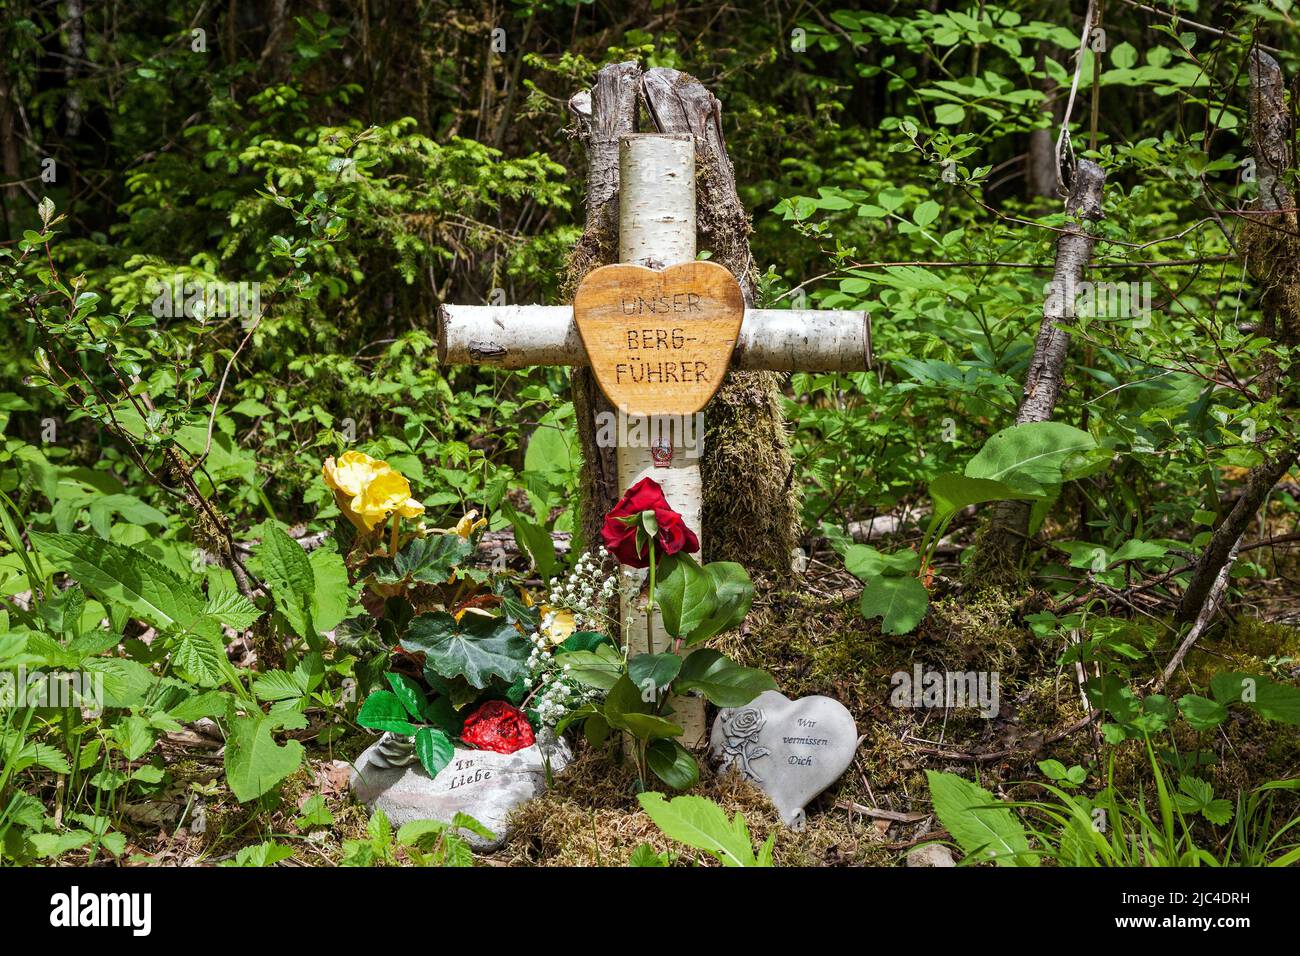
{"points": [[774, 340]]}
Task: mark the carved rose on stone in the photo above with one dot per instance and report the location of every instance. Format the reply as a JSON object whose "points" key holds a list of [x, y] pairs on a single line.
{"points": [[740, 728]]}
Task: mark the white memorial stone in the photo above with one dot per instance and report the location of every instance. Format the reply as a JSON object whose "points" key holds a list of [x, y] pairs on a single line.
{"points": [[792, 749], [484, 784]]}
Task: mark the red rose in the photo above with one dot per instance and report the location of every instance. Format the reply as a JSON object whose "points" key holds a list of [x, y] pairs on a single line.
{"points": [[497, 726], [621, 536]]}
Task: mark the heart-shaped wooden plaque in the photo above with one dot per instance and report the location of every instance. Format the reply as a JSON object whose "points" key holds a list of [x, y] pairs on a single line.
{"points": [[659, 341]]}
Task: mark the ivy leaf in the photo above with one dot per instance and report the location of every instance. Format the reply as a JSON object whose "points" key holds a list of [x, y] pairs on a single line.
{"points": [[428, 560], [477, 648]]}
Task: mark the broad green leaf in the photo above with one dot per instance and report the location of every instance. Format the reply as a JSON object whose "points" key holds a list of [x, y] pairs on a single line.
{"points": [[653, 672], [434, 748], [703, 825], [430, 560], [724, 682], [477, 648], [255, 763], [232, 609], [1268, 698], [288, 572], [734, 593], [673, 764], [382, 710], [1201, 713], [600, 668], [116, 573], [1029, 457], [865, 563], [685, 595], [981, 828], [409, 693], [901, 603], [951, 493]]}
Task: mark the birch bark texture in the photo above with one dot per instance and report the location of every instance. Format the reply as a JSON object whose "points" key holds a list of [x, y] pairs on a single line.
{"points": [[656, 228], [750, 506], [1002, 547], [601, 115]]}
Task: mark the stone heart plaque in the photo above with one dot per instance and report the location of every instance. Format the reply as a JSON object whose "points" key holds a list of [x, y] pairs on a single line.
{"points": [[792, 749], [659, 341]]}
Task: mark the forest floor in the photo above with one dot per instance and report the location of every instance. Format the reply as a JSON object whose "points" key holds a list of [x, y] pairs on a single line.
{"points": [[808, 633]]}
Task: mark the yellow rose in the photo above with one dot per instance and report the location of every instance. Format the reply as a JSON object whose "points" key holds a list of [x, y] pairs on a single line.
{"points": [[386, 493], [367, 490]]}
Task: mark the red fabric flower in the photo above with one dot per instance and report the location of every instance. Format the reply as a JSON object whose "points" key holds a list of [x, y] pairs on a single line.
{"points": [[620, 536], [497, 726]]}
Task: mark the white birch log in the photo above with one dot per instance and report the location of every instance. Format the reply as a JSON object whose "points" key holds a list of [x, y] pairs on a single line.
{"points": [[772, 340], [657, 229]]}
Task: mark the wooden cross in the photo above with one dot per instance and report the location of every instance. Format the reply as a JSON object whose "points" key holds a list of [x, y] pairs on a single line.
{"points": [[659, 343]]}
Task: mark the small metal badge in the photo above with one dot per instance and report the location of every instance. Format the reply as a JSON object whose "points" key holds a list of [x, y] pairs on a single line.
{"points": [[661, 452]]}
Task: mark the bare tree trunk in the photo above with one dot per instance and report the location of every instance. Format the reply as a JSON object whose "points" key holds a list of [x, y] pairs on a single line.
{"points": [[750, 508], [1270, 255], [1040, 167], [602, 115], [1002, 546], [76, 50]]}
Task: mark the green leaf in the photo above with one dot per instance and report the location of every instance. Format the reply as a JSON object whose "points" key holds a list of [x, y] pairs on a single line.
{"points": [[951, 493], [866, 563], [685, 595], [115, 573], [289, 574], [477, 648], [1201, 713], [232, 609], [430, 560], [734, 593], [653, 672], [534, 540], [673, 764], [624, 699], [600, 668], [901, 603], [981, 828], [254, 761], [948, 114], [277, 685], [1269, 699], [409, 693], [1124, 56], [645, 855], [434, 748], [383, 710], [703, 825], [1030, 457], [200, 659], [724, 682]]}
